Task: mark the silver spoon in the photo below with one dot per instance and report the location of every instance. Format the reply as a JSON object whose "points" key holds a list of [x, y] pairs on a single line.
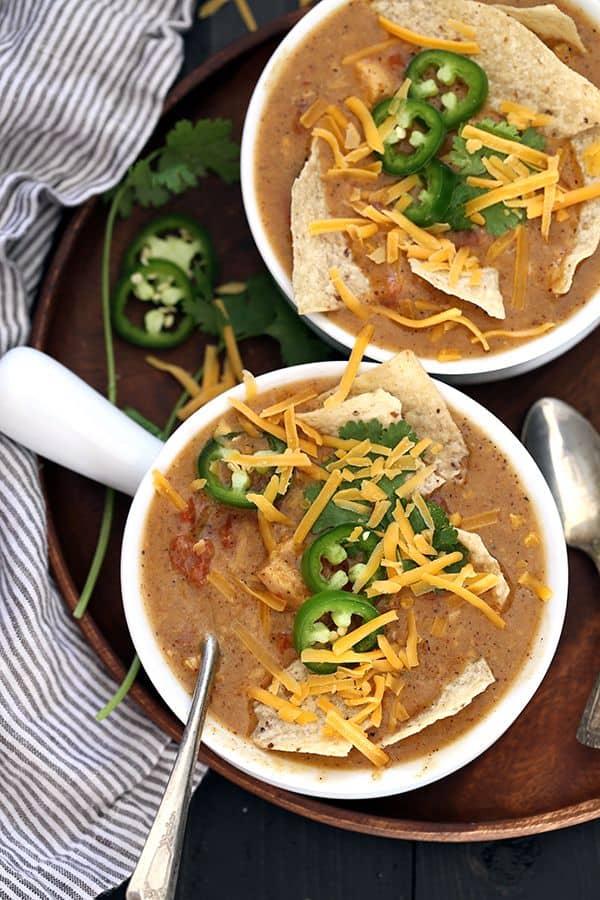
{"points": [[566, 447], [155, 876]]}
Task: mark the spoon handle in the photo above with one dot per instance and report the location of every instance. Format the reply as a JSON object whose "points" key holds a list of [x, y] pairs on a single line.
{"points": [[588, 732], [155, 876]]}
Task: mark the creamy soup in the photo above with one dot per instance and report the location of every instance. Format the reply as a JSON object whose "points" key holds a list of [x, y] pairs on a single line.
{"points": [[192, 558], [315, 72]]}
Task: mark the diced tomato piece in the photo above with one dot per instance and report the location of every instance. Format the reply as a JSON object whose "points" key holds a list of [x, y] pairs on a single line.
{"points": [[189, 513], [226, 533], [284, 641], [193, 565]]}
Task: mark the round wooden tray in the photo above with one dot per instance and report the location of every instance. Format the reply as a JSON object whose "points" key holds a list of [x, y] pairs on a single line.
{"points": [[537, 777]]}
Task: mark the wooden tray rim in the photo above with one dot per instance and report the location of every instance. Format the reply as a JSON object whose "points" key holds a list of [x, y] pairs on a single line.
{"points": [[340, 817]]}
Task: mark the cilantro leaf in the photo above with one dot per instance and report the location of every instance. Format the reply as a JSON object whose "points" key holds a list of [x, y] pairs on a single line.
{"points": [[455, 214], [190, 152], [332, 515], [501, 129], [374, 431], [531, 137], [196, 149], [445, 535], [142, 187], [472, 163], [260, 309], [498, 218]]}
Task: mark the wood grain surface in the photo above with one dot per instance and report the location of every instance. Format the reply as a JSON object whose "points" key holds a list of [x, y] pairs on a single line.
{"points": [[537, 777]]}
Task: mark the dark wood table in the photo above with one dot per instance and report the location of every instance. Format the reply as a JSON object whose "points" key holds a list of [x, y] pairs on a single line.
{"points": [[238, 846]]}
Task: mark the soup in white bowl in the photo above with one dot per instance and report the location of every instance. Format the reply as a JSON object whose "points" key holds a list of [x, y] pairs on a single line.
{"points": [[432, 530], [338, 232]]}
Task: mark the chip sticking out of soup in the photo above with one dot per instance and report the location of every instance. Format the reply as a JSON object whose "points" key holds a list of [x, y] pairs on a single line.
{"points": [[452, 185], [330, 534]]}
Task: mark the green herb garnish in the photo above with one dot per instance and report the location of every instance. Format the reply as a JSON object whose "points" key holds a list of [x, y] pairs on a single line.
{"points": [[498, 218]]}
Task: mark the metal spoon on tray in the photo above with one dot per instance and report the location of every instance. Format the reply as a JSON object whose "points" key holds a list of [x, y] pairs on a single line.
{"points": [[566, 447], [155, 876]]}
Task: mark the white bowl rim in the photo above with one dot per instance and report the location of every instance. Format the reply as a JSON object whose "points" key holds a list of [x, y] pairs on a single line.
{"points": [[505, 363], [282, 770]]}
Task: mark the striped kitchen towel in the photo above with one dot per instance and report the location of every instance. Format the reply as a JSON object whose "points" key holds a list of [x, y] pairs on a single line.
{"points": [[81, 88]]}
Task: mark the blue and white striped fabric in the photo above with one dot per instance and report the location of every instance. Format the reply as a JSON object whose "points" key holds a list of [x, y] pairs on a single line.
{"points": [[81, 88]]}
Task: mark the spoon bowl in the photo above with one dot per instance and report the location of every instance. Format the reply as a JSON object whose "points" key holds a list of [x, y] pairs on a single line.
{"points": [[566, 447]]}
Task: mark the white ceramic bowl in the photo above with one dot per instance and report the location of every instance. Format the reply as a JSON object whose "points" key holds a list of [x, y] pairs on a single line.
{"points": [[284, 770], [50, 410], [490, 367]]}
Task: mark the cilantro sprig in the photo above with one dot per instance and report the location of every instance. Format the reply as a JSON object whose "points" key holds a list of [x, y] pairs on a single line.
{"points": [[259, 310], [190, 152], [445, 536], [374, 431], [498, 218]]}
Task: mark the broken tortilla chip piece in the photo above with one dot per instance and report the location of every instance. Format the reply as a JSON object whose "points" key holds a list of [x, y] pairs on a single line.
{"points": [[272, 733], [483, 561], [513, 58], [315, 255], [486, 295], [458, 693], [587, 232], [549, 23], [425, 410], [378, 404]]}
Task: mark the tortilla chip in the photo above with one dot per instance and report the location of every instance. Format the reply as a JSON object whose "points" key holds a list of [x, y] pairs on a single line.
{"points": [[272, 733], [458, 693], [378, 404], [483, 561], [486, 296], [281, 575], [587, 233], [424, 409], [314, 256], [549, 23], [518, 64]]}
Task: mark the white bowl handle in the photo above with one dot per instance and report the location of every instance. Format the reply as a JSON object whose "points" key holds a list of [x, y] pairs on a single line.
{"points": [[53, 412]]}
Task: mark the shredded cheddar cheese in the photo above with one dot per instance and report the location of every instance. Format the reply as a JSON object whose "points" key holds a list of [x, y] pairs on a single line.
{"points": [[317, 507], [362, 341], [521, 270], [363, 114], [353, 733], [412, 655], [372, 50], [535, 157], [469, 596], [534, 584], [348, 298], [164, 487], [184, 378], [348, 641], [266, 658], [467, 48], [481, 520], [315, 111], [231, 347]]}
